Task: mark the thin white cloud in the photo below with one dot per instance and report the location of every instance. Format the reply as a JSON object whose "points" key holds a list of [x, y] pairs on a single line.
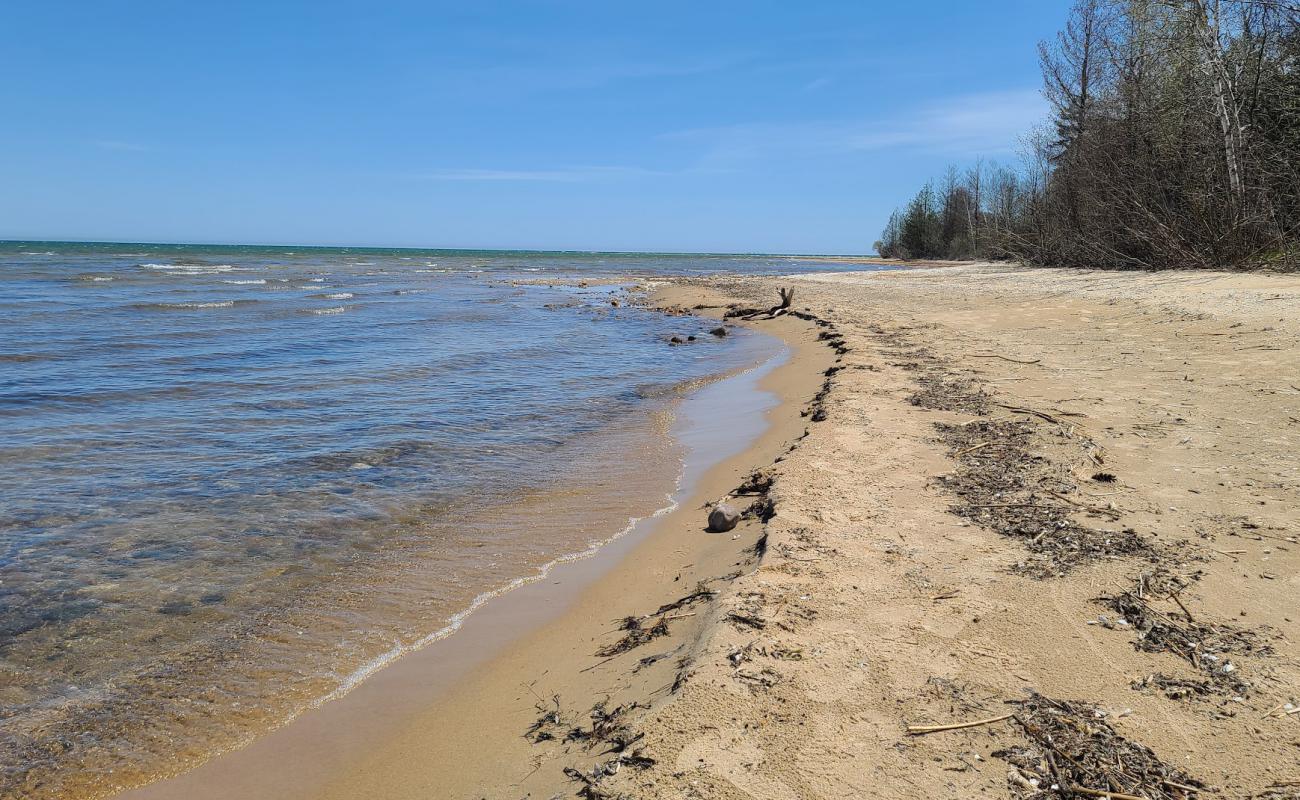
{"points": [[563, 175], [968, 125]]}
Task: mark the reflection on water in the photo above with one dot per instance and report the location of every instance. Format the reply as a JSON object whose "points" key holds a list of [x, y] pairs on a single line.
{"points": [[232, 478]]}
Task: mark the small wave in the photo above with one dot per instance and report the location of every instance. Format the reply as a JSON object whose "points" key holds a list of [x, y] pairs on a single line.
{"points": [[324, 311], [183, 306], [190, 269], [94, 278], [337, 296], [252, 281]]}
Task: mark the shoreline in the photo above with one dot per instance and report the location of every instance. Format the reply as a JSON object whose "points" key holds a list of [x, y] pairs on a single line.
{"points": [[1005, 458], [419, 689]]}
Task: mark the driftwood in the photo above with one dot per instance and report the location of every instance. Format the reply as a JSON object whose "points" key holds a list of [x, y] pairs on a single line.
{"points": [[787, 297], [918, 730]]}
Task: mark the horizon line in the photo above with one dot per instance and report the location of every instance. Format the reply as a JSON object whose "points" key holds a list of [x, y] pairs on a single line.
{"points": [[5, 241]]}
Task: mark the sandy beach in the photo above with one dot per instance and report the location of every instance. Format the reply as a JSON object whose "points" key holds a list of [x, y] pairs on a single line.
{"points": [[1059, 505]]}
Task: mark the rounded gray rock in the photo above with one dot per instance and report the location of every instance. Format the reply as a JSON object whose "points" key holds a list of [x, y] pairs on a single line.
{"points": [[723, 518]]}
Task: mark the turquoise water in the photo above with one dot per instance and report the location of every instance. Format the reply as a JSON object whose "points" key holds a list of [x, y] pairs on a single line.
{"points": [[232, 476]]}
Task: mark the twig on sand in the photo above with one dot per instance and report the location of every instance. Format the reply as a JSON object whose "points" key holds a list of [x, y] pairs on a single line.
{"points": [[1004, 358], [1110, 512], [920, 730], [1042, 414], [1174, 596]]}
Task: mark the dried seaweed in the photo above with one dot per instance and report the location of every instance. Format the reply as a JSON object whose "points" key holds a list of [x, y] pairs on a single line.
{"points": [[608, 727], [942, 393], [1005, 486], [1202, 644], [746, 620], [548, 724], [637, 635], [1072, 750], [758, 482], [700, 594]]}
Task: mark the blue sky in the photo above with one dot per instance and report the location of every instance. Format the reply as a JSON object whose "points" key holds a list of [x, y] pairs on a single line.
{"points": [[687, 126]]}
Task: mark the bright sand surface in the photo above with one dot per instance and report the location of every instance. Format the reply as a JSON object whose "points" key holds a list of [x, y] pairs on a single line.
{"points": [[873, 605]]}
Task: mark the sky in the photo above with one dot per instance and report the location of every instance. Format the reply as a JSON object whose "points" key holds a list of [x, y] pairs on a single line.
{"points": [[779, 127]]}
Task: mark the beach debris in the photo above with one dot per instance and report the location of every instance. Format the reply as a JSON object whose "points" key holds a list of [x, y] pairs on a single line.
{"points": [[920, 730], [701, 593], [1071, 749], [1175, 688], [941, 393], [548, 724], [610, 729], [1206, 646], [1005, 485], [762, 509], [758, 482], [651, 660], [638, 633], [742, 619], [787, 297], [723, 518]]}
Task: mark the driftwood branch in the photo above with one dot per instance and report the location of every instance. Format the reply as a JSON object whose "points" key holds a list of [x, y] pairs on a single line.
{"points": [[787, 297], [918, 730]]}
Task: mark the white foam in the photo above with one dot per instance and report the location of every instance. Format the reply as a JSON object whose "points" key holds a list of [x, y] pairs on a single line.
{"points": [[334, 310], [340, 296], [191, 269], [215, 304], [252, 281]]}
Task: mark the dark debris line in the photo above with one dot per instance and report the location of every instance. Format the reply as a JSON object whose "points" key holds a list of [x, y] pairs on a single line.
{"points": [[1071, 751], [1005, 484]]}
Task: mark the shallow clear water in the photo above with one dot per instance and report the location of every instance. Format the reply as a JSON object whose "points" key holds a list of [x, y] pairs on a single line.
{"points": [[233, 477]]}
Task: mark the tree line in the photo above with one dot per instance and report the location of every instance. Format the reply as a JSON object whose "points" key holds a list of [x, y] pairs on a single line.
{"points": [[1174, 142]]}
